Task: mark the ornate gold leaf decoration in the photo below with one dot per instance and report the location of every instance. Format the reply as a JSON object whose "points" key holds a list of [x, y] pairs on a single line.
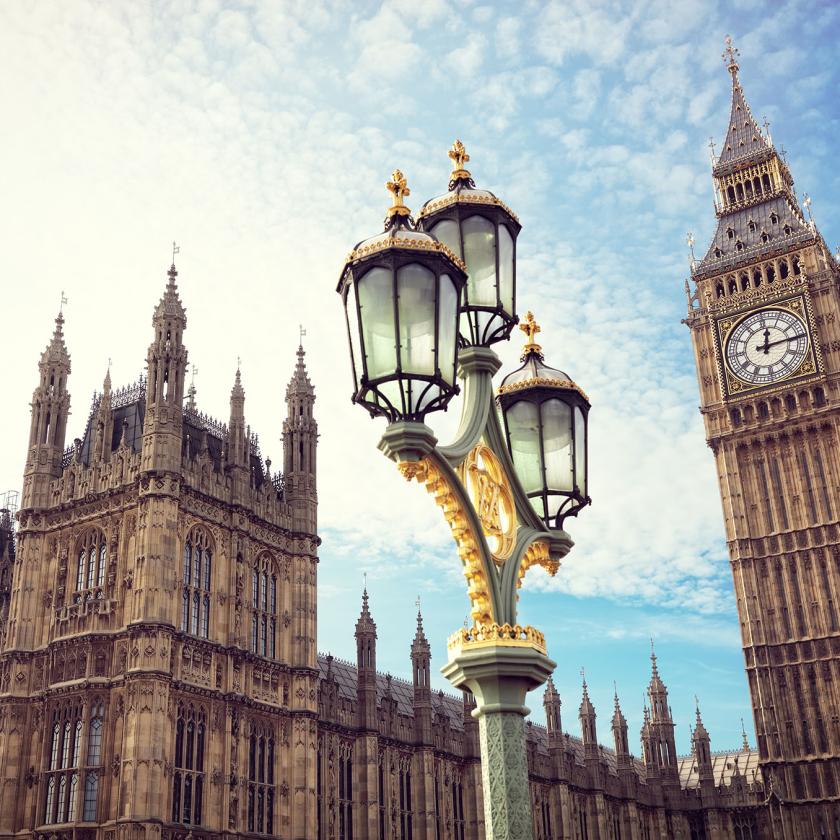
{"points": [[398, 187], [490, 493], [530, 327], [495, 635], [537, 555], [464, 198], [426, 473], [544, 382], [411, 244], [459, 157]]}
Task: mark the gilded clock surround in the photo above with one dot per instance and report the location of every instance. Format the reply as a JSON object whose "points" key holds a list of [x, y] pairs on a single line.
{"points": [[798, 305]]}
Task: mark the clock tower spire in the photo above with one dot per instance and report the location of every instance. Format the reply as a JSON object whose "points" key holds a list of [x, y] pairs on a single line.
{"points": [[764, 315]]}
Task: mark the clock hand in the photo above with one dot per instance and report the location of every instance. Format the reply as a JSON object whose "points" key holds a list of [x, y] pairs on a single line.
{"points": [[766, 340], [767, 345]]}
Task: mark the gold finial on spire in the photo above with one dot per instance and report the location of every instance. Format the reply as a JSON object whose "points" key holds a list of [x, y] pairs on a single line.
{"points": [[730, 56], [459, 157], [530, 328], [398, 187]]}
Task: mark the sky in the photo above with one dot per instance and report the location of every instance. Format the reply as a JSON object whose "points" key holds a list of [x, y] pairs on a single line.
{"points": [[259, 136]]}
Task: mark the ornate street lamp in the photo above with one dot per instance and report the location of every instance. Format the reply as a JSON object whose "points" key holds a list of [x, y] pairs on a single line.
{"points": [[504, 493], [545, 416], [400, 290], [482, 231]]}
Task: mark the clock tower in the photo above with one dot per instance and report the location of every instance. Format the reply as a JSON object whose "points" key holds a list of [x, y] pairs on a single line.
{"points": [[764, 316]]}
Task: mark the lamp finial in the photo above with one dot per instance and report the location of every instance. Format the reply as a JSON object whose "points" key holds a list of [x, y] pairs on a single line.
{"points": [[398, 187], [459, 157], [730, 56], [530, 328]]}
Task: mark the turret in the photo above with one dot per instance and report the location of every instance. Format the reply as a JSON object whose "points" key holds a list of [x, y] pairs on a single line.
{"points": [[166, 370], [587, 725], [103, 424], [421, 655], [237, 442], [662, 724], [701, 744], [366, 667], [553, 721], [300, 442], [619, 730], [48, 426]]}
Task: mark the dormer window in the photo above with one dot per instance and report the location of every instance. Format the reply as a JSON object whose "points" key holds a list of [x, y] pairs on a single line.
{"points": [[730, 233], [718, 253], [774, 218], [739, 246], [752, 226], [764, 237], [787, 229]]}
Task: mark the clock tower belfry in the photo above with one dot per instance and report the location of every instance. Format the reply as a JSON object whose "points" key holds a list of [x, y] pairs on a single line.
{"points": [[764, 316]]}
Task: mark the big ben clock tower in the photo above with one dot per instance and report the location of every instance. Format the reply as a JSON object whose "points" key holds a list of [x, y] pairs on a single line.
{"points": [[765, 324]]}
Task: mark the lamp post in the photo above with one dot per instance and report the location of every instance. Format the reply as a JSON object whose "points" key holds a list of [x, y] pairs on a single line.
{"points": [[422, 301]]}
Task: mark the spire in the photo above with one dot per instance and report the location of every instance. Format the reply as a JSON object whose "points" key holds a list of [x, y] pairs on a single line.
{"points": [[552, 705], [618, 716], [745, 741], [656, 683], [56, 351], [587, 721], [586, 707], [169, 307], [365, 624], [699, 729], [420, 643], [743, 136], [299, 385]]}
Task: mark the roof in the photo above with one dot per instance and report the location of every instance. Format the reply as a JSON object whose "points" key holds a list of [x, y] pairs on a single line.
{"points": [[750, 236], [725, 766], [743, 136]]}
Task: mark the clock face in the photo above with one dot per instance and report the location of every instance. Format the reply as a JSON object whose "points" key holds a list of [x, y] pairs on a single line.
{"points": [[767, 346]]}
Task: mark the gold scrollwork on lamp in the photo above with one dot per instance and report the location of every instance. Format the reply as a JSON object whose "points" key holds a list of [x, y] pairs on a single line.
{"points": [[490, 493], [537, 554], [426, 473]]}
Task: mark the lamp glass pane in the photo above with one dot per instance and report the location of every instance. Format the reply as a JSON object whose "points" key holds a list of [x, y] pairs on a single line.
{"points": [[416, 295], [480, 256], [580, 451], [355, 341], [506, 269], [448, 328], [448, 233], [524, 432], [557, 445], [376, 301]]}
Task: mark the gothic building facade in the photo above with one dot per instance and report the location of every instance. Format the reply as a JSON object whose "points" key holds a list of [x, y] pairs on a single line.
{"points": [[763, 315]]}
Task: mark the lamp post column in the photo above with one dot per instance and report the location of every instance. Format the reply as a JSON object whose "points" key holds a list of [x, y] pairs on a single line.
{"points": [[500, 674]]}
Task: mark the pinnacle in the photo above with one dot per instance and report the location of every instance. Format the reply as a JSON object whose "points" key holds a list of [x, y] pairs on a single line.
{"points": [[299, 383], [170, 306], [365, 624], [237, 391]]}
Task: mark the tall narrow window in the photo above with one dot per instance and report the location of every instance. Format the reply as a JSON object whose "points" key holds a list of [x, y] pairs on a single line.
{"points": [[188, 775], [261, 779], [90, 573], [381, 791], [264, 607], [195, 600], [458, 807], [74, 735], [761, 472], [818, 461], [406, 811], [778, 492], [809, 486], [345, 792]]}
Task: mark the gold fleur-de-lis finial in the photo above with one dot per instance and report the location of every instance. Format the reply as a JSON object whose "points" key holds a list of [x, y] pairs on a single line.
{"points": [[730, 56], [459, 157], [530, 328], [398, 187]]}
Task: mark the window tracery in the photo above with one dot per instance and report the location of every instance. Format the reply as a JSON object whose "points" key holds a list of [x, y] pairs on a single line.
{"points": [[92, 555], [188, 777], [76, 733], [261, 779], [197, 574], [264, 607]]}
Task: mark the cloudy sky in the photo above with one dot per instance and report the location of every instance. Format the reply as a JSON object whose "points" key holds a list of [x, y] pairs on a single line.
{"points": [[259, 136]]}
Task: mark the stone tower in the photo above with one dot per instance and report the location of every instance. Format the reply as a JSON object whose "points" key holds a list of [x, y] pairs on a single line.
{"points": [[158, 666], [764, 323], [48, 426]]}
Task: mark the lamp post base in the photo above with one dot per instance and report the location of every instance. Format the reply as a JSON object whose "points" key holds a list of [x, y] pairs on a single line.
{"points": [[500, 675]]}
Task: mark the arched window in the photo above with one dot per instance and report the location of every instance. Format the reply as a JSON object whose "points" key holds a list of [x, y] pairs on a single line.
{"points": [[345, 791], [261, 778], [774, 218], [752, 226], [406, 810], [739, 246], [783, 269], [188, 775], [74, 735], [198, 573], [264, 603], [730, 233], [92, 558]]}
